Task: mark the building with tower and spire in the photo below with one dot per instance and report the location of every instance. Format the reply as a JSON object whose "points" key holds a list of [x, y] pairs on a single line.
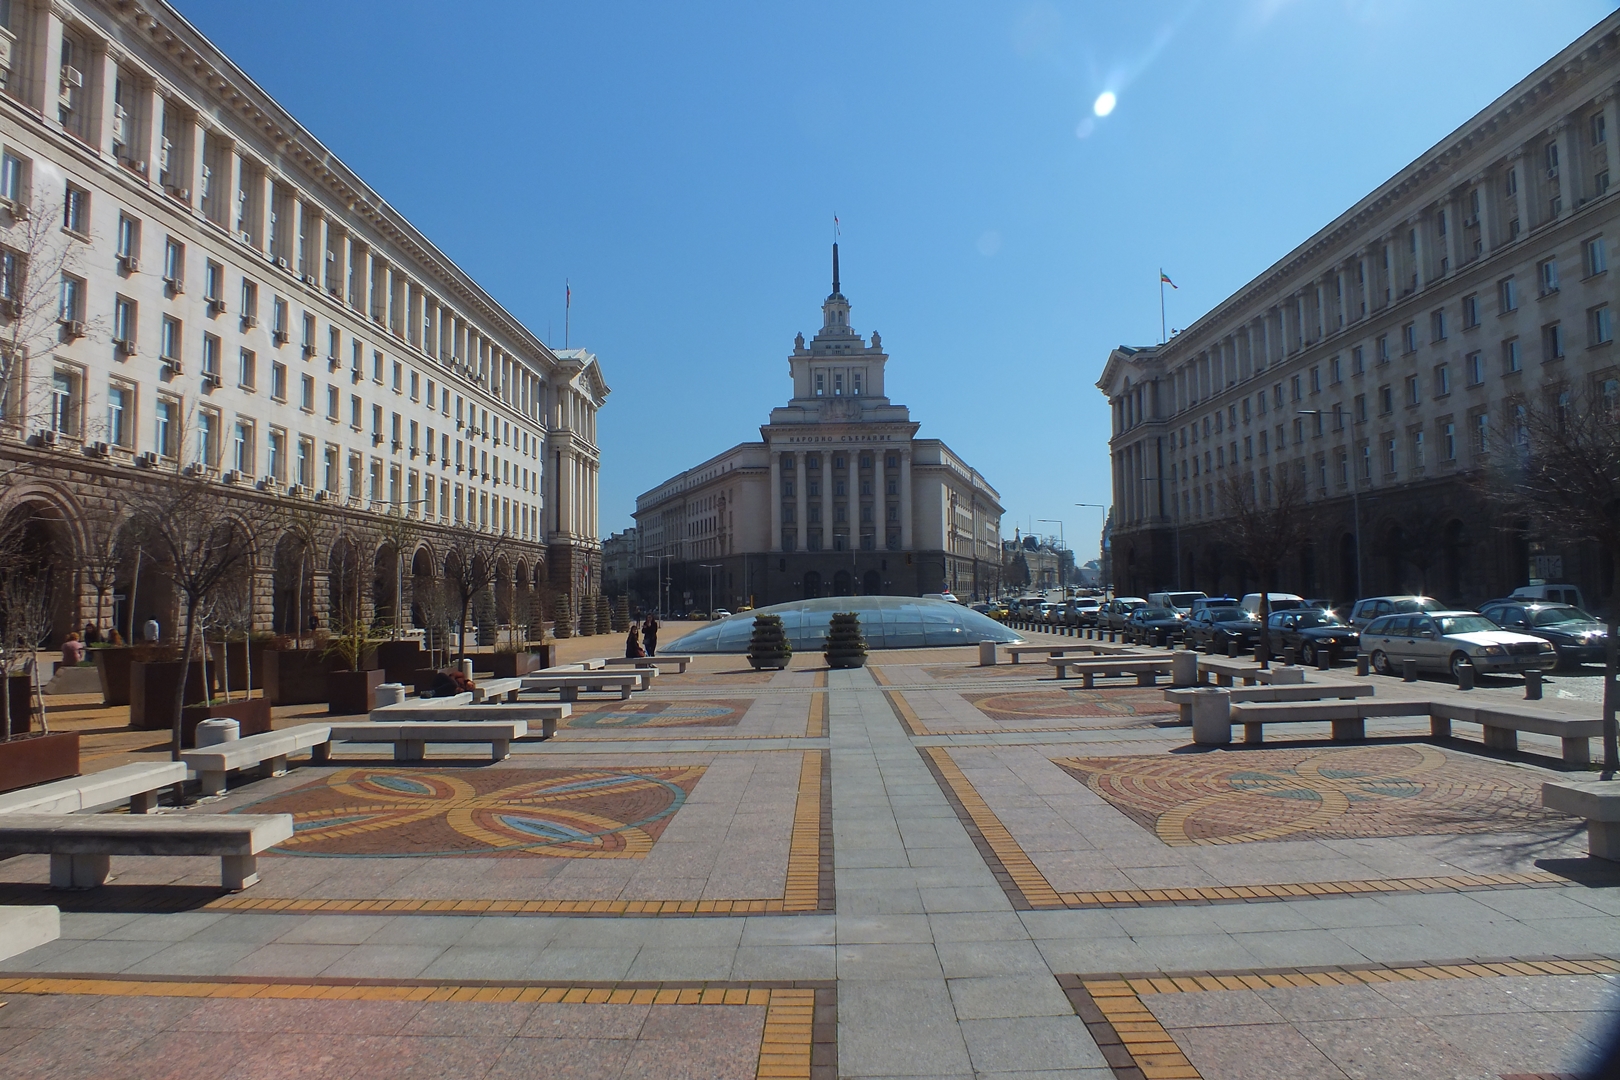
{"points": [[839, 497]]}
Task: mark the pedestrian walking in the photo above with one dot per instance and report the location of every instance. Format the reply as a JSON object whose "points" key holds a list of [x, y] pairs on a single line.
{"points": [[649, 634], [632, 643]]}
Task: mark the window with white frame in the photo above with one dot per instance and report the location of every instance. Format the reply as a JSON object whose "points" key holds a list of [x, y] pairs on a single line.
{"points": [[129, 239], [76, 210], [247, 365], [1600, 325], [1595, 256], [1475, 362], [278, 380], [210, 356], [207, 437], [124, 324], [120, 414], [242, 447], [250, 302], [166, 426], [306, 462], [277, 446], [1470, 307], [1512, 361], [174, 262], [306, 393], [70, 306], [13, 179], [1547, 275], [1448, 441], [1507, 295], [1442, 380]]}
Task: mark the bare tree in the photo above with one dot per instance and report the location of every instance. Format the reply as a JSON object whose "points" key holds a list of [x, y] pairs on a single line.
{"points": [[105, 553], [1265, 520], [201, 548], [400, 533], [1557, 464], [468, 572]]}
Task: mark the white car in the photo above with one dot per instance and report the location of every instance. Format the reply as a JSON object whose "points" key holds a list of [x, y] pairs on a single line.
{"points": [[1447, 641]]}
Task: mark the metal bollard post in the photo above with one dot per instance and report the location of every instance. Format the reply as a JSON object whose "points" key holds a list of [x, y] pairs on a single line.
{"points": [[1532, 685], [1231, 649], [1290, 656], [1324, 660], [1409, 670], [1363, 665], [1465, 677]]}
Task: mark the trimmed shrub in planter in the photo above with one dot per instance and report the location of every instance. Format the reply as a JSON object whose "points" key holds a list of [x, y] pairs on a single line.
{"points": [[845, 647], [562, 611], [604, 615], [769, 647]]}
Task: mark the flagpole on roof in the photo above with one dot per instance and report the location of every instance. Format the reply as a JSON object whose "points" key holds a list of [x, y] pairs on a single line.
{"points": [[1163, 337]]}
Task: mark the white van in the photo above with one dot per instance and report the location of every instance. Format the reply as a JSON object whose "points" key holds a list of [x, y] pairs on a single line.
{"points": [[1176, 601], [1280, 601], [1553, 594]]}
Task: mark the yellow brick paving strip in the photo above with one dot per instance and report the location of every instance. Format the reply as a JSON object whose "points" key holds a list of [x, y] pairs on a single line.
{"points": [[784, 1053], [1039, 892], [1114, 1012], [878, 675], [905, 713], [816, 727], [803, 893]]}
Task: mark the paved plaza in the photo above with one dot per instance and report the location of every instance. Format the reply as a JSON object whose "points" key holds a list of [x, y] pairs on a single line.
{"points": [[923, 868]]}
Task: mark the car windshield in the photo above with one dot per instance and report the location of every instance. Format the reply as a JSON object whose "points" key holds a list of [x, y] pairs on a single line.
{"points": [[1184, 599], [1221, 614], [1421, 603], [1154, 613], [1467, 624], [1554, 615], [1317, 617]]}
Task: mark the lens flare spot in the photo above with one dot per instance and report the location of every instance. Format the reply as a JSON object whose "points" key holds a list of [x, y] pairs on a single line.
{"points": [[1105, 103]]}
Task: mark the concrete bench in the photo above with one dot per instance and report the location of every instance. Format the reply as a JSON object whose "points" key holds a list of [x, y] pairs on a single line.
{"points": [[1348, 718], [139, 783], [496, 688], [1227, 671], [1501, 728], [1598, 801], [81, 845], [659, 661], [410, 737], [269, 749], [594, 664], [453, 700], [569, 685], [1147, 669], [1015, 651], [1257, 694], [542, 713]]}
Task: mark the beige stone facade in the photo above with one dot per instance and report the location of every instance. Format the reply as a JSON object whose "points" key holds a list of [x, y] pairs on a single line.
{"points": [[1377, 359]]}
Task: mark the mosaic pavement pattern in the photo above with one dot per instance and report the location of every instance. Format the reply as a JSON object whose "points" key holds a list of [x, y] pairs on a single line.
{"points": [[246, 1029], [1263, 795], [1130, 707], [656, 714], [1524, 1019], [565, 813]]}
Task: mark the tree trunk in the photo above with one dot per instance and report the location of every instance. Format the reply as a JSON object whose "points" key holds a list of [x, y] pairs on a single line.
{"points": [[39, 692], [190, 639], [1611, 661]]}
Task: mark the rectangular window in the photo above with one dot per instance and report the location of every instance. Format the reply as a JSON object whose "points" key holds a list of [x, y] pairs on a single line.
{"points": [[1597, 258], [1476, 367], [120, 415], [250, 303], [71, 304], [1437, 325], [242, 448], [306, 462], [210, 357], [1414, 393], [12, 182], [306, 393], [278, 319], [124, 325], [1507, 295], [332, 403], [213, 282], [174, 263], [1482, 433], [1470, 306], [1442, 380], [1383, 348], [1409, 337], [1419, 457], [1598, 129], [278, 380], [1361, 408], [1357, 361], [1448, 442], [1389, 457], [207, 438], [1547, 275], [1335, 371], [11, 268], [129, 240], [278, 454], [1552, 342], [1511, 360], [1386, 399], [167, 418], [76, 210], [1600, 325], [246, 369]]}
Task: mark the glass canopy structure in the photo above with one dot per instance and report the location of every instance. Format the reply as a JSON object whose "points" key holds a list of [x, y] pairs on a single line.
{"points": [[887, 622]]}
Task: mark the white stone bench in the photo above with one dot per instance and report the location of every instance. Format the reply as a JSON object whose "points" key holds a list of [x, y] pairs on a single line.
{"points": [[1227, 671], [1348, 718], [659, 661], [269, 749], [1016, 651], [410, 737], [496, 688], [139, 783], [411, 704], [1501, 727], [569, 685], [544, 713], [1183, 698], [1598, 801], [1147, 669], [81, 845]]}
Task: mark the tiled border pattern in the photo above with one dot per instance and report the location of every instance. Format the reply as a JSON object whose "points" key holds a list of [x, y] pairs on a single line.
{"points": [[904, 713], [1137, 1047], [914, 726], [1028, 888], [816, 726], [801, 1018]]}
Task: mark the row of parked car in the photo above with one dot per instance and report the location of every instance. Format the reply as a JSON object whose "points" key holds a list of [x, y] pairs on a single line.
{"points": [[1536, 628]]}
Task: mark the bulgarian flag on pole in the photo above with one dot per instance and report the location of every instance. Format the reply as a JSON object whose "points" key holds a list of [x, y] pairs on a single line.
{"points": [[1164, 278]]}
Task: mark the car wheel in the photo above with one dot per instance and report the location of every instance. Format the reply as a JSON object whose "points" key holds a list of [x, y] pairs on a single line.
{"points": [[1307, 653], [1458, 662], [1380, 662]]}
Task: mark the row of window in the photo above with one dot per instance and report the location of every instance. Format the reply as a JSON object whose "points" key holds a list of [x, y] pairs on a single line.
{"points": [[840, 513], [812, 488], [812, 462], [840, 540]]}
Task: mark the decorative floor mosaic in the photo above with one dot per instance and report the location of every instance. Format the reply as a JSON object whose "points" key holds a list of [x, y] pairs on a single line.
{"points": [[563, 813], [1260, 795], [1130, 707], [265, 1029], [1530, 1015], [656, 714]]}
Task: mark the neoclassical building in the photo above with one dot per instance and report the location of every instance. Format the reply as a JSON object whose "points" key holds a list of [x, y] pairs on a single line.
{"points": [[839, 497], [190, 281], [1377, 358]]}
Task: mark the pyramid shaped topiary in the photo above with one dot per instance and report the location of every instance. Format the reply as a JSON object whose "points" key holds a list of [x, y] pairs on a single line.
{"points": [[604, 614], [845, 647], [769, 646], [562, 614]]}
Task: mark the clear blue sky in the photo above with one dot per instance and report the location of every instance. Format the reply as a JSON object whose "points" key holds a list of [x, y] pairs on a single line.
{"points": [[681, 164]]}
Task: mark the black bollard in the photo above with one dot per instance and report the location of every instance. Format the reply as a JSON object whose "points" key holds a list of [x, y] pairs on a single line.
{"points": [[1290, 656], [1363, 665], [1231, 648], [1465, 676], [1409, 670], [1324, 660], [1532, 685]]}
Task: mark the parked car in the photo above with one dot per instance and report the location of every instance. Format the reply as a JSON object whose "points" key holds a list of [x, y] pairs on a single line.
{"points": [[1082, 611], [1155, 625], [1576, 637], [949, 598], [1176, 601], [1280, 601], [1446, 641], [1552, 594], [1213, 601], [1311, 630], [1376, 607], [1119, 609], [1215, 626], [720, 613], [1050, 613]]}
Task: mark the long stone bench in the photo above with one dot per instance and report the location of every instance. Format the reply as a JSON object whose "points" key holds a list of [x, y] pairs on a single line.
{"points": [[1147, 669], [569, 685], [269, 749], [410, 737], [1091, 648], [496, 689], [81, 845], [1227, 671], [139, 783], [659, 661], [543, 713], [1183, 698], [1598, 801], [1501, 727], [1348, 718]]}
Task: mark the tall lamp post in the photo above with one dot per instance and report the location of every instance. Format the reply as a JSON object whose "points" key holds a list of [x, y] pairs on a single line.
{"points": [[711, 567], [663, 584], [1062, 543], [1355, 486], [1104, 509]]}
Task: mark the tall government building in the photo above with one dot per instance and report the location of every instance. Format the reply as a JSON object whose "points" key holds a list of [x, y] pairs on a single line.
{"points": [[1376, 359], [839, 497], [191, 282]]}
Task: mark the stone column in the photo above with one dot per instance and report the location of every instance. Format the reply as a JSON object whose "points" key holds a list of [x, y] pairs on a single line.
{"points": [[146, 141], [1610, 100], [774, 460], [800, 529], [45, 63], [826, 500], [100, 73], [1419, 250], [1522, 210], [905, 498], [1487, 241], [1571, 187], [1453, 234]]}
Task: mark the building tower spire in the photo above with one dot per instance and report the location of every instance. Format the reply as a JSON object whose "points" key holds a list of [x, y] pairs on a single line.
{"points": [[835, 268]]}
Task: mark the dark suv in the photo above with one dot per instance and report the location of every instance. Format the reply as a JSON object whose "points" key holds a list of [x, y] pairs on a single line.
{"points": [[1215, 626], [1578, 637]]}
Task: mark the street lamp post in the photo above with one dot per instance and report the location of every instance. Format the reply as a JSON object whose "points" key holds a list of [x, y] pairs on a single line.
{"points": [[1355, 487], [1097, 506], [663, 584], [1062, 544], [711, 567]]}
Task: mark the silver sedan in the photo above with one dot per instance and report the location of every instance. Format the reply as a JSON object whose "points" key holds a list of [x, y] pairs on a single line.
{"points": [[1447, 641]]}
